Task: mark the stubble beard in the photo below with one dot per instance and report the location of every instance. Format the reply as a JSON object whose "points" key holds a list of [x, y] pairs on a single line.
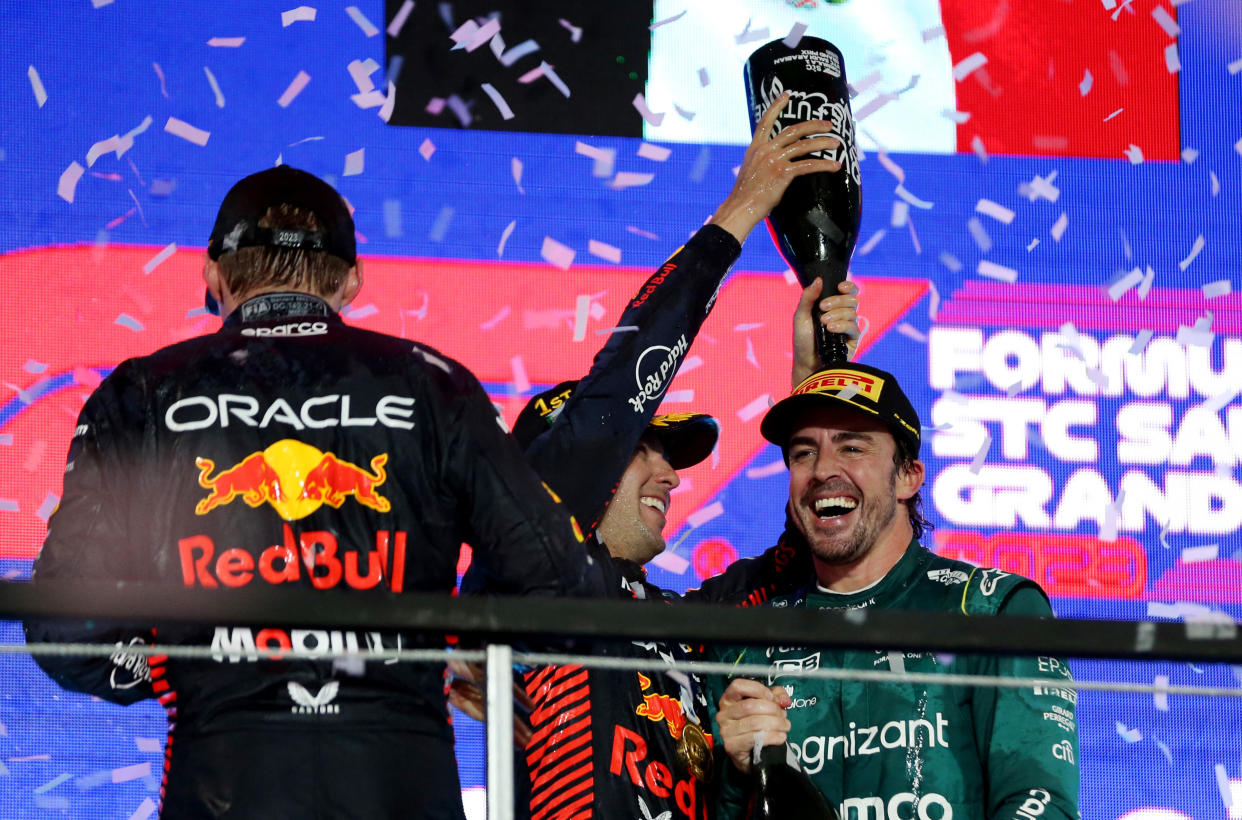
{"points": [[627, 535], [846, 548]]}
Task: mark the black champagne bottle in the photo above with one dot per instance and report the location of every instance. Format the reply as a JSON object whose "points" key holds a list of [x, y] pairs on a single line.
{"points": [[783, 791], [815, 225]]}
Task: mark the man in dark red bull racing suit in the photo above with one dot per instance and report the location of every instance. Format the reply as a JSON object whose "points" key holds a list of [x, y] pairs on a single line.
{"points": [[290, 449]]}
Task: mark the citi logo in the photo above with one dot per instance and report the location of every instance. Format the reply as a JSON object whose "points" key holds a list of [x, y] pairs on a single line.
{"points": [[319, 704], [1064, 751]]}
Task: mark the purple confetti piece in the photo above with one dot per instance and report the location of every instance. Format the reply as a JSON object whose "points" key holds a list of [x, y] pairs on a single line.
{"points": [[187, 132], [1058, 227], [159, 259], [755, 407], [979, 234], [773, 468], [1171, 60], [671, 562], [556, 254], [667, 20], [995, 210], [295, 88], [629, 179], [795, 35], [1140, 342], [968, 66], [215, 87], [1194, 251], [520, 381], [459, 108], [392, 218], [1189, 155], [704, 79], [976, 145], [145, 810], [748, 36], [504, 237], [124, 774], [355, 14], [67, 186], [398, 19], [991, 270], [440, 227], [1221, 287], [301, 14], [48, 507], [685, 114], [651, 118], [36, 85], [226, 42], [575, 33], [31, 366], [148, 744], [657, 153], [515, 166], [608, 253], [125, 320], [1084, 87], [640, 232], [1115, 113], [360, 312], [6, 439], [701, 516], [53, 783], [355, 162], [426, 149], [499, 101], [1165, 21]]}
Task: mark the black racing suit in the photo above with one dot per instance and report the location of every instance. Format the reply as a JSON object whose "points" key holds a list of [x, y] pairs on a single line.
{"points": [[292, 449], [605, 742]]}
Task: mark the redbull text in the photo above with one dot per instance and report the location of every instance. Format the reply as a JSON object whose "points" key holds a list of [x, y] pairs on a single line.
{"points": [[629, 754]]}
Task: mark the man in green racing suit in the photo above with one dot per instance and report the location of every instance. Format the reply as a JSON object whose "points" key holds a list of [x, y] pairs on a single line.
{"points": [[883, 751]]}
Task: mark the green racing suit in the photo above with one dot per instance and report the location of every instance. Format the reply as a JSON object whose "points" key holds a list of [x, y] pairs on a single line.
{"points": [[890, 751]]}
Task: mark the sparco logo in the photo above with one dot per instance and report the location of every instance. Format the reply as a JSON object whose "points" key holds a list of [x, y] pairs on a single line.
{"points": [[874, 808], [318, 704], [654, 370], [291, 329], [871, 740]]}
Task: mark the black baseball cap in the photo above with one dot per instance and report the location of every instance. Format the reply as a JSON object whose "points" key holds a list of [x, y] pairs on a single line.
{"points": [[862, 387], [687, 438]]}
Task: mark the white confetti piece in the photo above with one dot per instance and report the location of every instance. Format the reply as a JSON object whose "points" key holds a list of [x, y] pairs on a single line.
{"points": [[356, 313], [950, 261], [582, 309], [500, 316], [36, 85], [933, 33], [651, 118], [354, 162], [1161, 699], [1042, 188], [547, 71], [301, 14], [911, 332], [1109, 5], [873, 240], [159, 259], [180, 128], [146, 809], [959, 117], [901, 191], [1221, 287], [53, 783], [901, 213], [398, 19], [1030, 246], [520, 382], [865, 84], [125, 774], [701, 516], [1115, 113], [976, 144], [148, 744], [1222, 783], [754, 408], [481, 36], [112, 143], [47, 507], [215, 87], [1197, 555], [668, 20], [608, 253], [873, 106], [501, 104], [1215, 181], [125, 320], [295, 87], [748, 36], [618, 329], [795, 35], [893, 168], [32, 366], [998, 272], [671, 562], [1200, 335], [1123, 285], [658, 153], [679, 397], [441, 224], [1058, 227], [1165, 21], [6, 439], [981, 455], [995, 210], [361, 71], [968, 66], [426, 149], [1194, 251], [1085, 85], [791, 278], [979, 234], [556, 254], [368, 28], [1134, 154], [68, 184], [508, 58], [390, 102], [644, 234], [575, 33], [629, 179], [705, 79], [226, 42], [504, 238], [767, 470], [1128, 735], [604, 158], [8, 505], [1171, 61]]}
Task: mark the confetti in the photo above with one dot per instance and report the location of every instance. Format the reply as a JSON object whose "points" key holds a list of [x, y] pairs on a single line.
{"points": [[911, 332], [933, 303], [618, 329], [865, 84], [950, 261], [1145, 288], [1235, 66], [520, 382], [553, 78], [582, 309], [604, 251], [556, 254], [644, 234], [604, 158], [654, 152], [361, 71], [874, 240], [640, 103], [1058, 227], [1197, 555], [748, 36], [667, 20], [705, 80], [873, 106], [1109, 5], [575, 33], [685, 114], [1115, 113], [1215, 181], [179, 128], [995, 210], [354, 162], [67, 186], [1221, 287], [148, 744], [976, 145], [1134, 154], [441, 225], [159, 72], [1165, 21], [125, 774], [31, 366], [53, 783], [912, 199], [979, 234], [504, 237], [226, 42], [968, 66], [368, 28], [481, 36], [1128, 735], [398, 20], [508, 58], [159, 259], [301, 14], [295, 87], [770, 469], [215, 87], [901, 213], [755, 407], [500, 316], [629, 179], [426, 149], [47, 507], [981, 455], [515, 166], [700, 517], [501, 105], [125, 320], [1123, 285], [795, 35], [1223, 784], [36, 85], [959, 117], [1085, 86], [6, 439], [392, 218], [1194, 251], [671, 562], [893, 168], [434, 106], [994, 271], [145, 810], [1171, 61]]}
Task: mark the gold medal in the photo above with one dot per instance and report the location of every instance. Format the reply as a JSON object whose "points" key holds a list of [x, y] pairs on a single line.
{"points": [[695, 753]]}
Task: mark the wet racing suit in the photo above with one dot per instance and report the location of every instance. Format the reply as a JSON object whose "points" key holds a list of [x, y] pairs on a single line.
{"points": [[292, 449], [890, 750]]}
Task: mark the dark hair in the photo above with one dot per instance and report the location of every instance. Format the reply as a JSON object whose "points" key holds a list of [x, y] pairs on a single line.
{"points": [[904, 457], [252, 268]]}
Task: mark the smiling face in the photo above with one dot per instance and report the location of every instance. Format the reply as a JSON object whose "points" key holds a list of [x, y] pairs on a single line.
{"points": [[633, 525], [845, 489]]}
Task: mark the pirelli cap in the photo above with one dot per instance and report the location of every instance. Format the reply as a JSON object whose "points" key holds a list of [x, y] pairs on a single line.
{"points": [[237, 223], [860, 386], [688, 438]]}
